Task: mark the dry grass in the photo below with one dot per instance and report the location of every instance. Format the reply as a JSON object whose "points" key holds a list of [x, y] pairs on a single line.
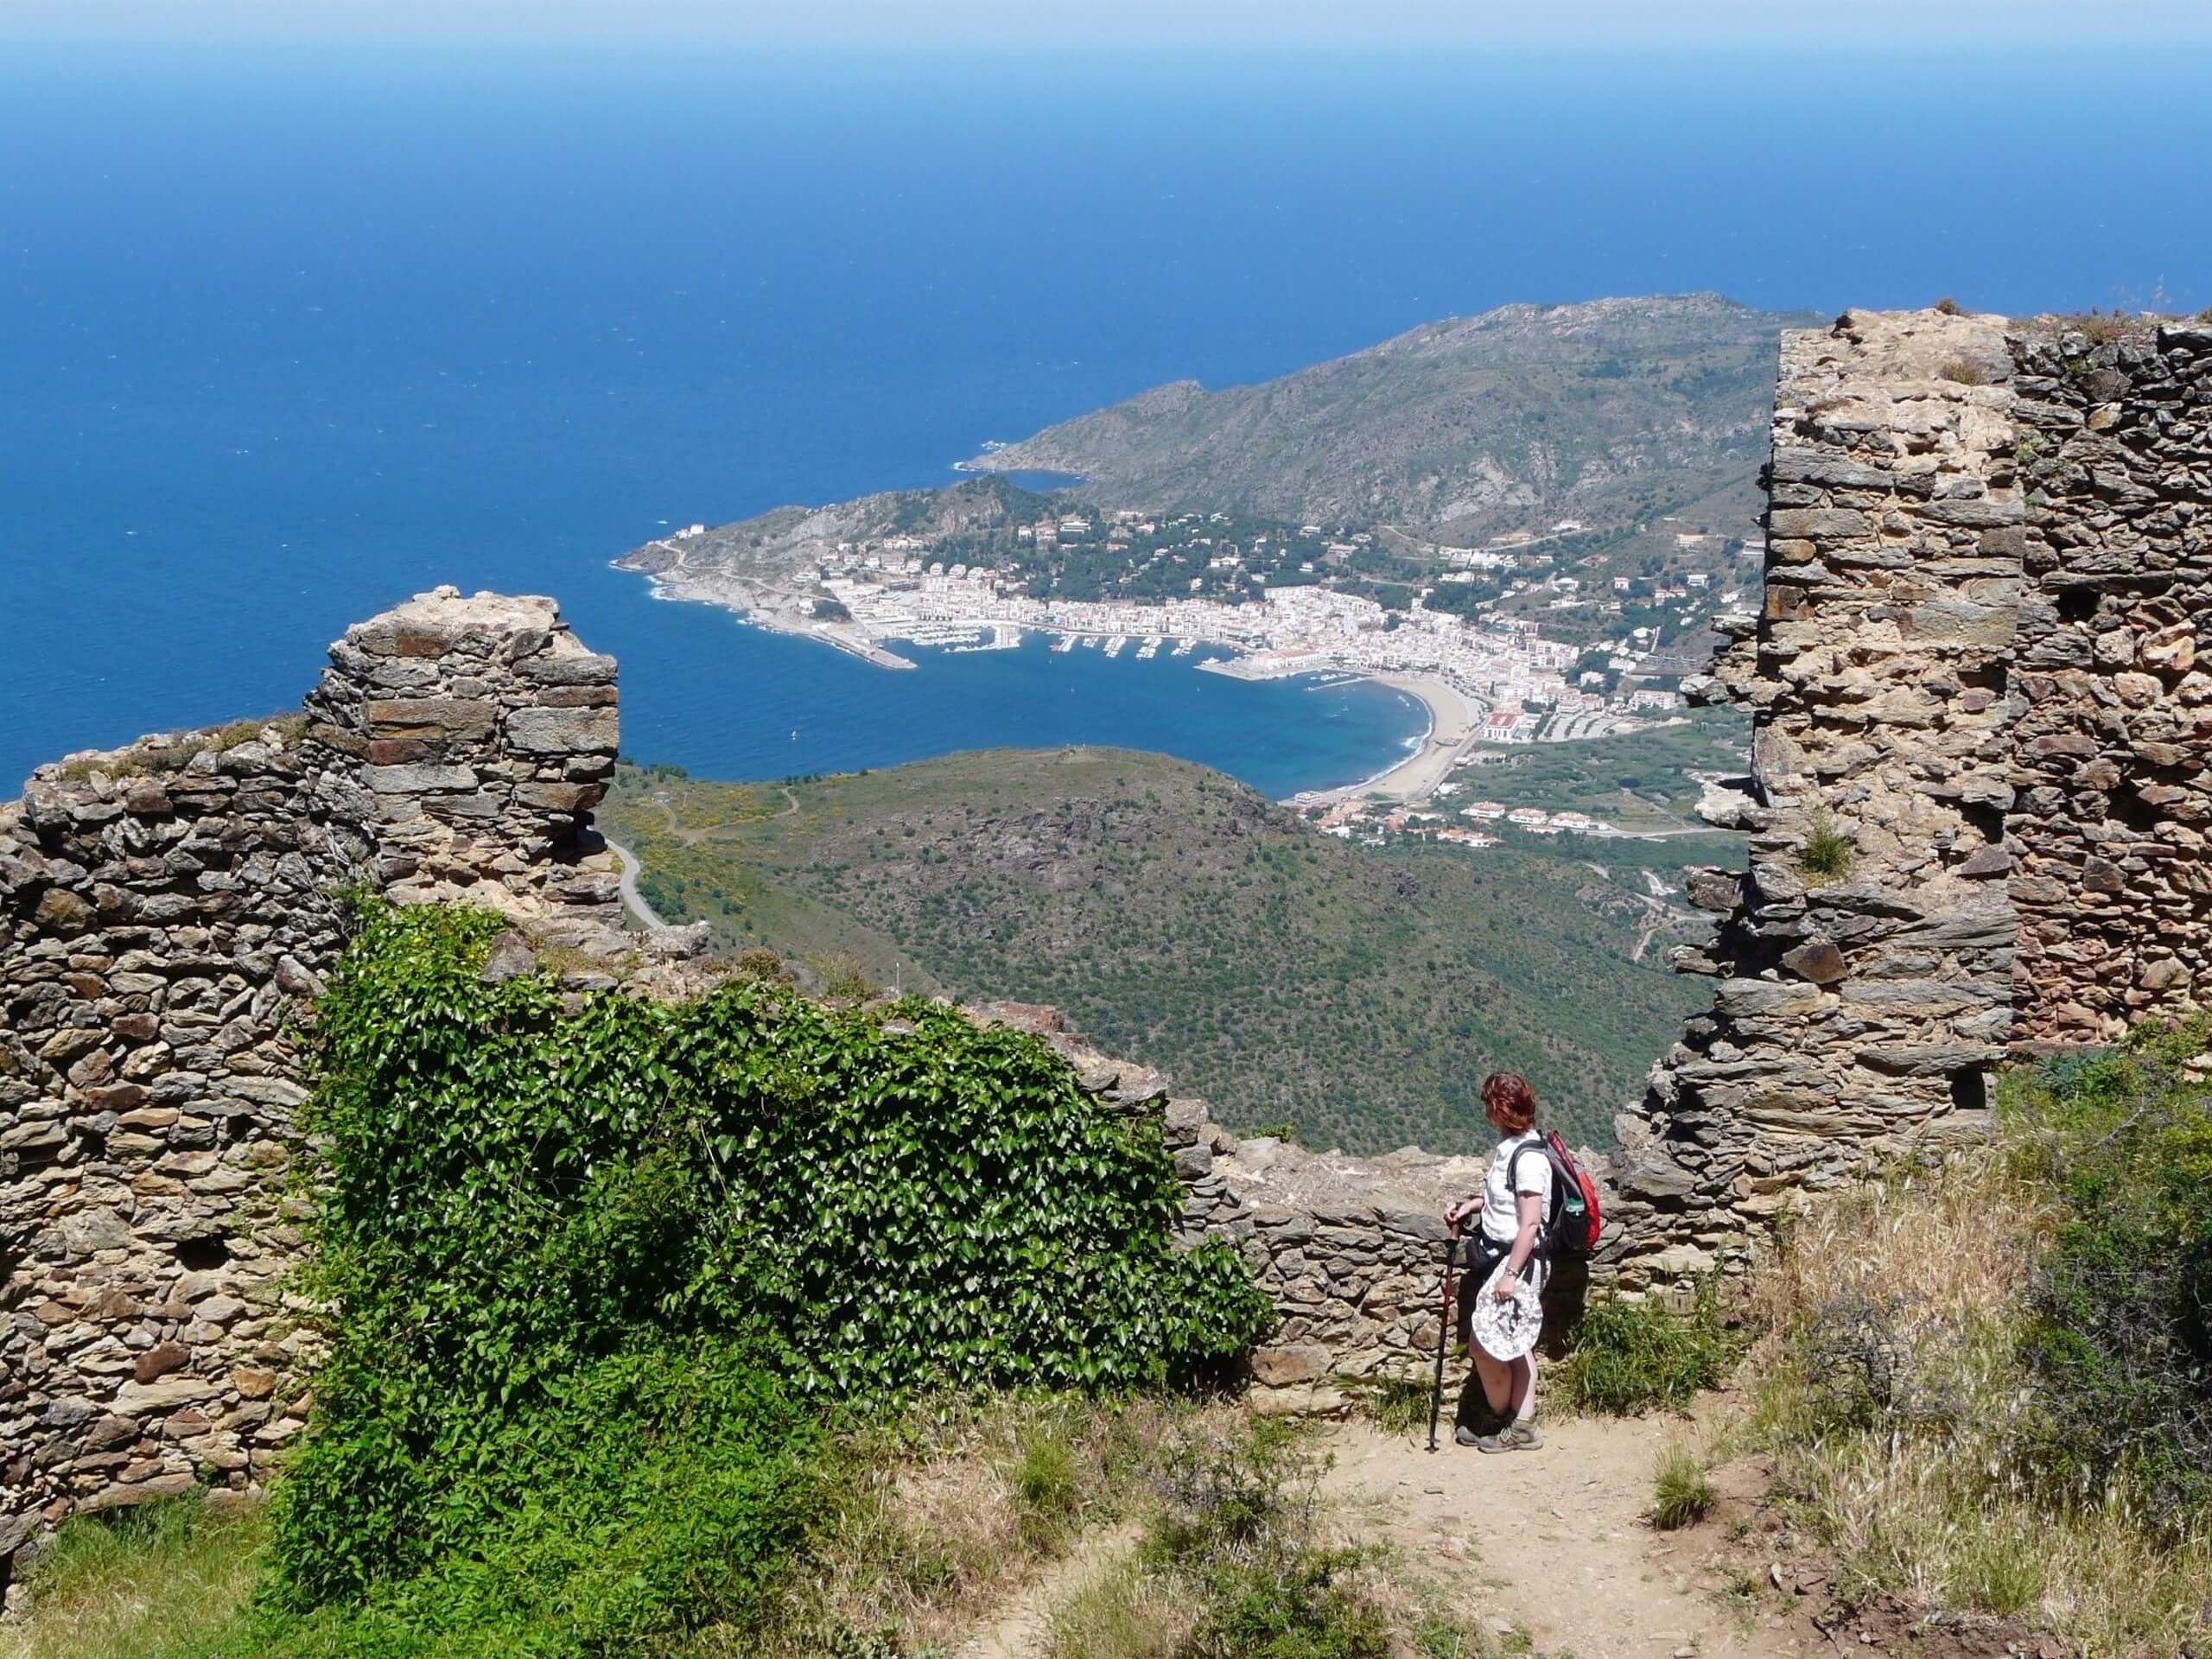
{"points": [[949, 1512], [1682, 1491], [172, 752], [1123, 1613], [1950, 1241], [1922, 1499], [2100, 327], [1965, 371]]}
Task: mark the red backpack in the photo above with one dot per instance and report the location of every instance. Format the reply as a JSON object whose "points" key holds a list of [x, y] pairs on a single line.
{"points": [[1573, 1220]]}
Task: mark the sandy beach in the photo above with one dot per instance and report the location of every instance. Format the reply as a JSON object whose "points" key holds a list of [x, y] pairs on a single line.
{"points": [[1451, 721]]}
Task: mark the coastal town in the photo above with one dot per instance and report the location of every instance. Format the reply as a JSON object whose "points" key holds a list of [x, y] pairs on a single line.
{"points": [[1468, 641]]}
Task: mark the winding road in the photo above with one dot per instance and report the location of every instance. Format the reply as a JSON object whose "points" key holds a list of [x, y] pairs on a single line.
{"points": [[632, 900]]}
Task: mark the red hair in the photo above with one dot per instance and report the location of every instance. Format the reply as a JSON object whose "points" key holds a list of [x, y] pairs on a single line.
{"points": [[1509, 1102]]}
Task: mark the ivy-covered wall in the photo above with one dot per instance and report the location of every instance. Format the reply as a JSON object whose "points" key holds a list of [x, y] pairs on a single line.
{"points": [[519, 1186], [166, 912]]}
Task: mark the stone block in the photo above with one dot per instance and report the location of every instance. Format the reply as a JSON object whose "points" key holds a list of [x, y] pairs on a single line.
{"points": [[1974, 514], [1819, 524], [425, 780], [160, 1360], [164, 1395], [1277, 1368], [583, 668], [62, 912], [560, 797], [563, 731], [1648, 1173], [464, 719], [1817, 960], [389, 636]]}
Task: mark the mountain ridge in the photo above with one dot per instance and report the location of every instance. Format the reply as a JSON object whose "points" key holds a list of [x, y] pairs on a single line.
{"points": [[1440, 427]]}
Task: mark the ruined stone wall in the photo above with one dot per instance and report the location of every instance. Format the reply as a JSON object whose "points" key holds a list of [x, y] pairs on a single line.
{"points": [[1973, 676], [164, 911], [1987, 564], [2112, 741], [1351, 1250], [1973, 673], [1857, 1006]]}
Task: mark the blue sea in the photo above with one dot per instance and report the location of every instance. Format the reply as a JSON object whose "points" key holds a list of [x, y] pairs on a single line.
{"points": [[289, 334]]}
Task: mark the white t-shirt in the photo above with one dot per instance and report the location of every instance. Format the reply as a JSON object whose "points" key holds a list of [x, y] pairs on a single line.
{"points": [[1501, 1216]]}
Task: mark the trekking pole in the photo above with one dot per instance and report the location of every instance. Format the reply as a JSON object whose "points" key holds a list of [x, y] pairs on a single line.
{"points": [[1443, 1335]]}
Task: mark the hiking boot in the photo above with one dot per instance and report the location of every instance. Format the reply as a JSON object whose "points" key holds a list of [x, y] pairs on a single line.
{"points": [[1497, 1442], [1522, 1437]]}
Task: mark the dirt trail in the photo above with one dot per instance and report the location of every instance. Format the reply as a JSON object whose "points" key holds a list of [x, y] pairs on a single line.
{"points": [[1023, 1628], [1582, 1570]]}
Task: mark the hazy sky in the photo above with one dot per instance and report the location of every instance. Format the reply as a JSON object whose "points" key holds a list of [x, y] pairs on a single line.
{"points": [[1882, 24]]}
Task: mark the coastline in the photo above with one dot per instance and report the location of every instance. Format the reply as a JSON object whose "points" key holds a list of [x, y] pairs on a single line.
{"points": [[1452, 721], [742, 604]]}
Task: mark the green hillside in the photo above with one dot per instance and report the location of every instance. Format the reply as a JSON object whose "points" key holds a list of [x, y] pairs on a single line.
{"points": [[1613, 410], [1181, 919]]}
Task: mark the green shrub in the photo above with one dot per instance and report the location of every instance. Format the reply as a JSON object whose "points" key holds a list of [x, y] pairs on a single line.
{"points": [[1237, 1533], [1397, 1404], [574, 1250], [2004, 1575], [2119, 1342], [844, 980], [1287, 1604], [1681, 1491], [1630, 1355], [664, 1490], [1826, 854]]}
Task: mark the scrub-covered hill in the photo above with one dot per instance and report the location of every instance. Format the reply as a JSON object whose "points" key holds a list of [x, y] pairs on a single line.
{"points": [[1360, 992]]}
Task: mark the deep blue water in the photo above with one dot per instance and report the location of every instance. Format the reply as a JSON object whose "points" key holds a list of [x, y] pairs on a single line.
{"points": [[1280, 737], [287, 336]]}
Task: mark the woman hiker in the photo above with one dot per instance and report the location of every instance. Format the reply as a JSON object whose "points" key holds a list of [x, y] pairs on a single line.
{"points": [[1517, 1191]]}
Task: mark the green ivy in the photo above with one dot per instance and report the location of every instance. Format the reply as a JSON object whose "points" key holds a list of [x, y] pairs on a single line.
{"points": [[855, 1203]]}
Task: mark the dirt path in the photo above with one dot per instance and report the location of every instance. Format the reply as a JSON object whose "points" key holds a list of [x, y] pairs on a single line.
{"points": [[1023, 1629], [1580, 1569]]}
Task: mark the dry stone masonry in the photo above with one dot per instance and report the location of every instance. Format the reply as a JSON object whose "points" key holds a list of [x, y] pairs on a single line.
{"points": [[2112, 744], [1977, 762], [166, 911], [1976, 816], [1351, 1249]]}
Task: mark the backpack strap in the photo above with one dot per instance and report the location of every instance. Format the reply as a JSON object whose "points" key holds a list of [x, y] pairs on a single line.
{"points": [[1513, 1167], [1542, 1252]]}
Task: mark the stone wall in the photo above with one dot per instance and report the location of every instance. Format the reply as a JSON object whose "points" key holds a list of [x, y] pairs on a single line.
{"points": [[2112, 744], [1986, 563], [1858, 1009], [1351, 1249], [164, 911]]}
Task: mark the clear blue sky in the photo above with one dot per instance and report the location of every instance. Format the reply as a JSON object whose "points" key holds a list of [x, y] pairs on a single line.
{"points": [[1138, 24]]}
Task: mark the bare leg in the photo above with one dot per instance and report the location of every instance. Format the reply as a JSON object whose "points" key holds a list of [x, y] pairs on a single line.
{"points": [[1525, 1388], [1498, 1377]]}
